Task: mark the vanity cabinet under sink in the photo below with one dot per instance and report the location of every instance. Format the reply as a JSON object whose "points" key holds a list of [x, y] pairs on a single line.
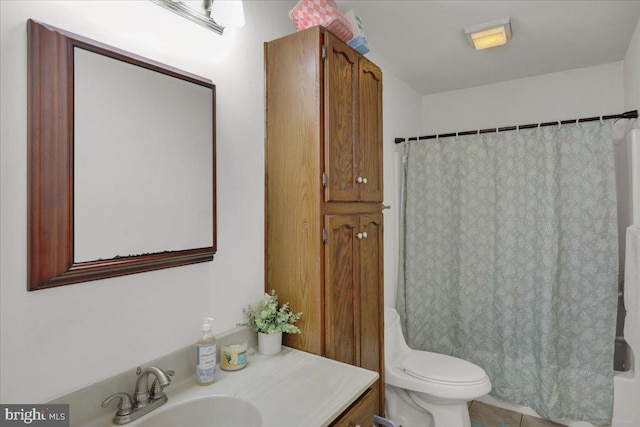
{"points": [[360, 413], [323, 197]]}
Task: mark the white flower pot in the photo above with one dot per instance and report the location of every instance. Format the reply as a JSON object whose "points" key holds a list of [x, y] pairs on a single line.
{"points": [[269, 344]]}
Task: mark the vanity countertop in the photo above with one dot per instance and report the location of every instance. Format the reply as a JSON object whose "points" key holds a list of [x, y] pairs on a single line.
{"points": [[292, 388]]}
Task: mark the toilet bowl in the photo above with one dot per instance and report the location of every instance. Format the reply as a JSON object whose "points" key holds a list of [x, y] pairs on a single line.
{"points": [[425, 388]]}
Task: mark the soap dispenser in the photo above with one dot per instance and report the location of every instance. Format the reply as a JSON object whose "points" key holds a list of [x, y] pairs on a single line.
{"points": [[206, 355]]}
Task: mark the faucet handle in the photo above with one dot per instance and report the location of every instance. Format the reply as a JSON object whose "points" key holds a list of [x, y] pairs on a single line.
{"points": [[125, 407], [157, 390]]}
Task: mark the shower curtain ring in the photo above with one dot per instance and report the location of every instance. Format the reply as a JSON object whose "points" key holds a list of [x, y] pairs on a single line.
{"points": [[559, 124], [602, 119]]}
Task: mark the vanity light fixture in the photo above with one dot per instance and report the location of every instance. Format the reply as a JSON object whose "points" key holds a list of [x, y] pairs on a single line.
{"points": [[200, 12], [489, 34]]}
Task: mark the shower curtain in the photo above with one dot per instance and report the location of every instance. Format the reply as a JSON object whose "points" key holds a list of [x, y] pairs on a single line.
{"points": [[510, 261]]}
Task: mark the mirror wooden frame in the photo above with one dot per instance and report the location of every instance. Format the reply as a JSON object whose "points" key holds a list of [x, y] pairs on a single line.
{"points": [[50, 173]]}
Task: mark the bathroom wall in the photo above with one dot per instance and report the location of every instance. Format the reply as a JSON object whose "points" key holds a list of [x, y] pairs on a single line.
{"points": [[632, 72], [632, 102], [58, 340], [401, 111], [582, 92]]}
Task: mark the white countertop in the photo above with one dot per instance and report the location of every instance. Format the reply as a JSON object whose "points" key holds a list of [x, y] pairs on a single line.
{"points": [[292, 388]]}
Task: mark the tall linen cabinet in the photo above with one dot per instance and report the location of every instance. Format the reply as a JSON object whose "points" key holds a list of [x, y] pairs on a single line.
{"points": [[323, 196]]}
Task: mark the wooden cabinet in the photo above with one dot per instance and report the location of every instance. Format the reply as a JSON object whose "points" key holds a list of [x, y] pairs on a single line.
{"points": [[323, 194], [353, 125], [360, 414], [353, 274]]}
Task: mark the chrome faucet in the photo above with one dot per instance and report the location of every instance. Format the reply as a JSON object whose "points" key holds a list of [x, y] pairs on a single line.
{"points": [[142, 384], [143, 402]]}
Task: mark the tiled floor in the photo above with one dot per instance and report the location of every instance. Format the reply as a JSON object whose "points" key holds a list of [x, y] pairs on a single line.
{"points": [[485, 415]]}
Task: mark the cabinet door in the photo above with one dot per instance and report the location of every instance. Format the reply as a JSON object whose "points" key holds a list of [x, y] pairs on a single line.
{"points": [[371, 293], [353, 289], [340, 120], [360, 413], [369, 162], [341, 289], [371, 297]]}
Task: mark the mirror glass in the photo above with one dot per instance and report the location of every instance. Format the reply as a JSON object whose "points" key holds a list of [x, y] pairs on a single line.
{"points": [[142, 160]]}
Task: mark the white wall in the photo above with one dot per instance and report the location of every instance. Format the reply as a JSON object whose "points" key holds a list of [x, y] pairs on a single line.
{"points": [[582, 92], [632, 72], [58, 340], [628, 202], [632, 102], [401, 118]]}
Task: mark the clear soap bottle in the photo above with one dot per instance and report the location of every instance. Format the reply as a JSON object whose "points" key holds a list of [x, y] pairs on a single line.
{"points": [[206, 355]]}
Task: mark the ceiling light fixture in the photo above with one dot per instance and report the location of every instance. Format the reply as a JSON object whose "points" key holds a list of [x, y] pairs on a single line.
{"points": [[490, 34], [229, 13]]}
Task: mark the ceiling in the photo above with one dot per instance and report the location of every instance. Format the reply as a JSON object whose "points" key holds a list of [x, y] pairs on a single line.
{"points": [[422, 42]]}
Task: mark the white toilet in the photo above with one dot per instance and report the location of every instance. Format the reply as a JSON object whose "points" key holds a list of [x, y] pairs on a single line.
{"points": [[424, 388]]}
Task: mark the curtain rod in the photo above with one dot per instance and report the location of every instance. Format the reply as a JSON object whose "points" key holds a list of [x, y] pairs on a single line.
{"points": [[628, 115]]}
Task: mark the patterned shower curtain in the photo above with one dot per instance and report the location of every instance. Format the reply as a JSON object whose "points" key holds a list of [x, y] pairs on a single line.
{"points": [[510, 261]]}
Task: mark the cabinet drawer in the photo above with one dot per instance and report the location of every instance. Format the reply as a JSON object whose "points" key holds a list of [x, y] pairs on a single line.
{"points": [[360, 414]]}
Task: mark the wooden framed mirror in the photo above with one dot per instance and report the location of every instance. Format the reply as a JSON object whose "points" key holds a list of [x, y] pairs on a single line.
{"points": [[121, 162]]}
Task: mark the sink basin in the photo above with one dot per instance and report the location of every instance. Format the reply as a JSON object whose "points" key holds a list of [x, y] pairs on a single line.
{"points": [[208, 411]]}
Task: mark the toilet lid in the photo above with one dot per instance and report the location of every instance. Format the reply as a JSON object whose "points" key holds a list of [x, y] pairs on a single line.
{"points": [[442, 368]]}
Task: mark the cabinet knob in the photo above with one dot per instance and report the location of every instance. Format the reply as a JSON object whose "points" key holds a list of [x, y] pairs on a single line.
{"points": [[362, 235], [361, 180]]}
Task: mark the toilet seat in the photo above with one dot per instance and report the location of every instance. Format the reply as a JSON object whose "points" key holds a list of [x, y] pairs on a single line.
{"points": [[442, 369]]}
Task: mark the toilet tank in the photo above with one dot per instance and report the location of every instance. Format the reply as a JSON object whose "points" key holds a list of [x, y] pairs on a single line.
{"points": [[394, 342]]}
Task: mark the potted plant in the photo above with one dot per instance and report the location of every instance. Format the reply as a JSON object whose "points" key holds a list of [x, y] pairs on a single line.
{"points": [[270, 321]]}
